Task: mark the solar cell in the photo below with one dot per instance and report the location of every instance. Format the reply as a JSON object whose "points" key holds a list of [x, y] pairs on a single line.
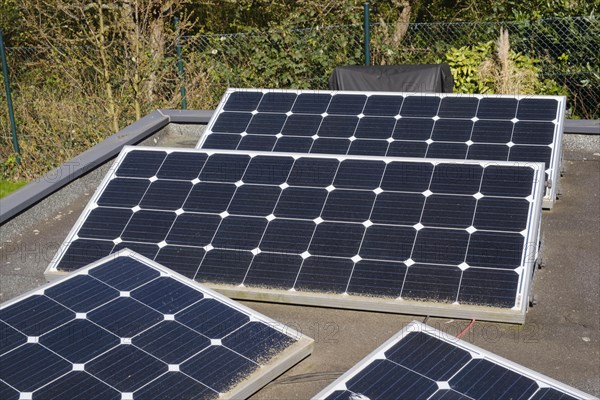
{"points": [[452, 126], [299, 227], [125, 327], [421, 362]]}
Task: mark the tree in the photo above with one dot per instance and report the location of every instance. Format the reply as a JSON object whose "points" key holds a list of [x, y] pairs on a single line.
{"points": [[502, 10], [82, 31], [119, 44], [9, 21]]}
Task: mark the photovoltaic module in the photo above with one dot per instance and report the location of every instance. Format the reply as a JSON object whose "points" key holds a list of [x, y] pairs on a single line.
{"points": [[127, 328], [452, 126], [422, 363], [449, 238]]}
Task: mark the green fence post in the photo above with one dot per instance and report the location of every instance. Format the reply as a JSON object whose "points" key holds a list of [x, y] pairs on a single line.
{"points": [[180, 67], [367, 34], [11, 113]]}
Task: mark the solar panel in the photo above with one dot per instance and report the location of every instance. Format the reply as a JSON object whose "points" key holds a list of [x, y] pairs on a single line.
{"points": [[453, 126], [125, 327], [421, 363], [401, 235]]}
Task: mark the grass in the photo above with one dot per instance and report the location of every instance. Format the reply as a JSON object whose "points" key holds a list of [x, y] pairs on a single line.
{"points": [[7, 187]]}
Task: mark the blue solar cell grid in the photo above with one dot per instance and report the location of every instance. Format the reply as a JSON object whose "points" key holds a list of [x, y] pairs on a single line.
{"points": [[126, 329], [399, 229], [421, 363], [472, 127]]}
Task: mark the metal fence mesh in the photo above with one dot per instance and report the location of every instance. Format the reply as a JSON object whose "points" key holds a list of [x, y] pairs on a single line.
{"points": [[565, 50], [62, 108]]}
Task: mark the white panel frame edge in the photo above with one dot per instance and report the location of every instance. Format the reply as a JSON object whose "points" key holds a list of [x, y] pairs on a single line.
{"points": [[553, 171], [515, 314], [289, 357], [416, 326]]}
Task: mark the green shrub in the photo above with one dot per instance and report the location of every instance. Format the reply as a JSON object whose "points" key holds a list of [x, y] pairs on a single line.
{"points": [[492, 67], [465, 63]]}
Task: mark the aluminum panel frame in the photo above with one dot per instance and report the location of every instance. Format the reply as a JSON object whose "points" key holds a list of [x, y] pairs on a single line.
{"points": [[416, 326], [553, 171], [289, 357], [516, 314]]}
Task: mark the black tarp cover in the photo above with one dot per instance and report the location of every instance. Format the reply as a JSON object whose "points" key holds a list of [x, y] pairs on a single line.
{"points": [[417, 78]]}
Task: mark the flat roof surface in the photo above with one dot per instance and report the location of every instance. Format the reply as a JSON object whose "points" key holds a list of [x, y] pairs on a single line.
{"points": [[560, 339]]}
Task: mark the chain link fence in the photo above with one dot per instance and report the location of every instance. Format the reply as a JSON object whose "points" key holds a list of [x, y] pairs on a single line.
{"points": [[302, 58], [565, 51], [62, 105]]}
